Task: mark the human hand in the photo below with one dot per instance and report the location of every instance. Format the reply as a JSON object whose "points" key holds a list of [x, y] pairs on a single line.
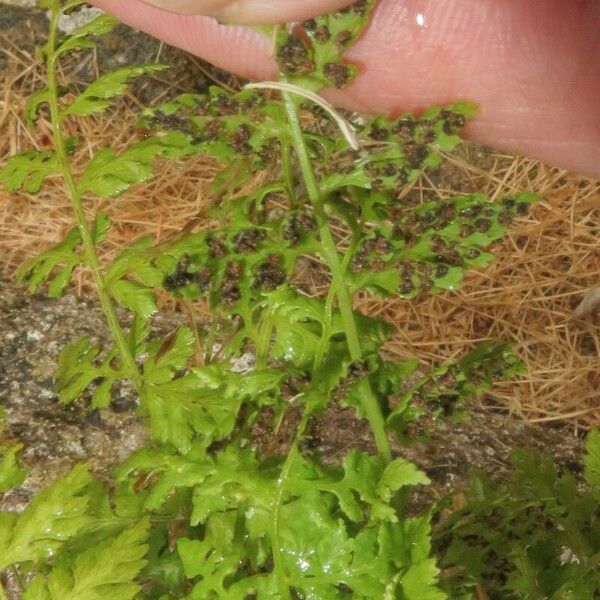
{"points": [[533, 66], [252, 11]]}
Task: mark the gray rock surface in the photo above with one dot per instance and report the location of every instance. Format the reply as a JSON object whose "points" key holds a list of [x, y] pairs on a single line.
{"points": [[25, 3], [32, 332]]}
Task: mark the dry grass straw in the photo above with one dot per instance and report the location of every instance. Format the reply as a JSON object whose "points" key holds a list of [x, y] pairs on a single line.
{"points": [[543, 269], [544, 266]]}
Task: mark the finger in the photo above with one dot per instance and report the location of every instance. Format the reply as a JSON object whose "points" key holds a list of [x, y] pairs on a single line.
{"points": [[252, 11], [532, 67], [236, 49]]}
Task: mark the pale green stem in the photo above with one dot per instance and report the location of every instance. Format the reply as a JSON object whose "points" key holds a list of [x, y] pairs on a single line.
{"points": [[326, 333], [331, 255], [288, 172], [198, 359], [282, 577], [264, 340], [75, 198], [325, 338]]}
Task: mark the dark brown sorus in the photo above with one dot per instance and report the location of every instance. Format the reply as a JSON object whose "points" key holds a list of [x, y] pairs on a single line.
{"points": [[441, 271], [344, 162], [426, 218], [453, 122], [522, 209], [294, 56], [180, 277], [298, 224], [343, 39], [401, 180], [216, 246], [268, 151], [379, 134], [203, 279], [450, 256], [446, 212], [415, 153], [226, 105], [404, 234], [359, 8], [248, 241], [438, 245], [424, 269], [447, 403], [375, 246], [201, 109], [428, 136], [230, 290], [425, 284], [482, 225], [406, 287], [309, 25], [406, 270], [172, 122], [178, 280], [213, 130], [377, 185], [251, 102], [233, 270], [338, 74], [372, 170], [472, 211], [404, 128], [378, 243], [321, 34], [359, 264], [270, 275], [357, 369], [384, 169], [466, 230], [505, 217], [378, 264], [240, 139], [388, 169]]}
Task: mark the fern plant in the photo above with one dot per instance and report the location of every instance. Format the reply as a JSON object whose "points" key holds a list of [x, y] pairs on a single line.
{"points": [[205, 512], [536, 536]]}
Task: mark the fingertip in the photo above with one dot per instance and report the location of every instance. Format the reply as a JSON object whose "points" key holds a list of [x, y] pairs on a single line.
{"points": [[238, 49], [254, 12]]}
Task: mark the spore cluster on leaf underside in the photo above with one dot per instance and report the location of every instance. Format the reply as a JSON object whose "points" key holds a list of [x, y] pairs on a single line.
{"points": [[395, 247]]}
